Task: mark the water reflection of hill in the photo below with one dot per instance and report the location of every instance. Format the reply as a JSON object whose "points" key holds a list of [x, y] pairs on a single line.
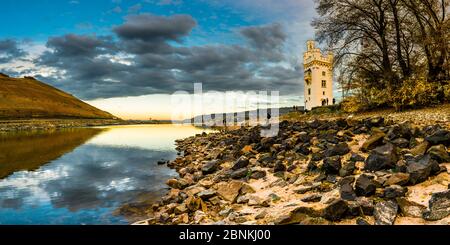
{"points": [[30, 150]]}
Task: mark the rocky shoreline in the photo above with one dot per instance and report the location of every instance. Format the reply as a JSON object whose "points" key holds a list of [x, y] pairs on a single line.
{"points": [[343, 171]]}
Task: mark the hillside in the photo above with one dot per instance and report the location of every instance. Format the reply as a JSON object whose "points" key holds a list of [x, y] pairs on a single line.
{"points": [[24, 98]]}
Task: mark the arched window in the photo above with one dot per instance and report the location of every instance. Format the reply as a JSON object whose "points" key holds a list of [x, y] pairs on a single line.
{"points": [[324, 83], [309, 91], [324, 73]]}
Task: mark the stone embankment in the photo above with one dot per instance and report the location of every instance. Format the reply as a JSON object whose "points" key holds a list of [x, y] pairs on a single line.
{"points": [[344, 171]]}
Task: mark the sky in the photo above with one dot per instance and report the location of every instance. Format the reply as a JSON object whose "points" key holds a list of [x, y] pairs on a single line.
{"points": [[129, 57]]}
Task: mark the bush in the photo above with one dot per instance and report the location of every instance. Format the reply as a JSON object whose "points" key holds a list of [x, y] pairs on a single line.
{"points": [[447, 91], [352, 104], [413, 93]]}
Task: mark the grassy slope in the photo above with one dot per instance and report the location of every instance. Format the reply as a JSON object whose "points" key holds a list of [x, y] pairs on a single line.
{"points": [[29, 98]]}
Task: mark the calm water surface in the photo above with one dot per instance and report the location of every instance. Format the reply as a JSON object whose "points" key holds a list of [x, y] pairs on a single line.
{"points": [[81, 176]]}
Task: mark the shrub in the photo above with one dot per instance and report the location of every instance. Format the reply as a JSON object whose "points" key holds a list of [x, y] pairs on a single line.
{"points": [[352, 104], [413, 93], [446, 89]]}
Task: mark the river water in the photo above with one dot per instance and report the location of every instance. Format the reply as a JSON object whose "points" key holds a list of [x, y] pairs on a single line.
{"points": [[81, 176]]}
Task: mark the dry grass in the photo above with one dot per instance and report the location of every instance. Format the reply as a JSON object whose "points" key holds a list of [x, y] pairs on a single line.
{"points": [[29, 98]]}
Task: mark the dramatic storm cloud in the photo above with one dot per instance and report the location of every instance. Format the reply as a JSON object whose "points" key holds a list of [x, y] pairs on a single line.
{"points": [[147, 54], [9, 50]]}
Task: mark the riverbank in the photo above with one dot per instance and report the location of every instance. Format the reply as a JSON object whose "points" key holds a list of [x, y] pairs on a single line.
{"points": [[347, 170], [48, 124]]}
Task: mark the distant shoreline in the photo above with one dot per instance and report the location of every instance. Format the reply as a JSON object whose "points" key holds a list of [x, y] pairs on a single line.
{"points": [[12, 125]]}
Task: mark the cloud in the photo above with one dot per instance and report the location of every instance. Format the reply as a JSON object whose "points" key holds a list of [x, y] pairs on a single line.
{"points": [[148, 27], [147, 55], [135, 8], [265, 37], [10, 50]]}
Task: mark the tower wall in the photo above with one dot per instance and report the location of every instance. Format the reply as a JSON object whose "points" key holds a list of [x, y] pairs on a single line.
{"points": [[318, 77]]}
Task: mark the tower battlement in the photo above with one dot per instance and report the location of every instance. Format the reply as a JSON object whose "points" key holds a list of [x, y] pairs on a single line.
{"points": [[318, 77]]}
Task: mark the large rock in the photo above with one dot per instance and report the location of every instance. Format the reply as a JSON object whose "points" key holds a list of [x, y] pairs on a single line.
{"points": [[419, 169], [366, 205], [365, 186], [206, 194], [346, 191], [239, 174], [401, 142], [347, 169], [357, 158], [439, 205], [439, 153], [394, 191], [385, 212], [397, 179], [339, 149], [210, 167], [242, 162], [420, 149], [383, 157], [178, 183], [258, 174], [279, 167], [439, 137], [400, 131], [331, 165], [336, 210], [410, 209], [373, 141], [312, 198], [229, 191]]}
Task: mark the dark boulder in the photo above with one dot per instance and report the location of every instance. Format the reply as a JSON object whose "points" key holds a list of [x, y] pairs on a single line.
{"points": [[258, 174], [338, 150], [439, 153], [242, 162], [331, 165], [365, 185], [382, 157], [399, 131], [401, 142], [302, 149], [347, 169], [317, 156], [210, 167], [336, 210], [346, 191], [239, 174], [394, 191], [419, 169], [279, 167], [439, 137], [357, 158]]}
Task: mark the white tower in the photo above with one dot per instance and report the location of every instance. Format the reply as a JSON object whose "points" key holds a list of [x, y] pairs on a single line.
{"points": [[318, 77]]}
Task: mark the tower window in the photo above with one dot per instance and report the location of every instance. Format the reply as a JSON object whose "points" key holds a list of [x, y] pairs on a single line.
{"points": [[324, 83], [309, 91], [323, 92], [324, 73]]}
